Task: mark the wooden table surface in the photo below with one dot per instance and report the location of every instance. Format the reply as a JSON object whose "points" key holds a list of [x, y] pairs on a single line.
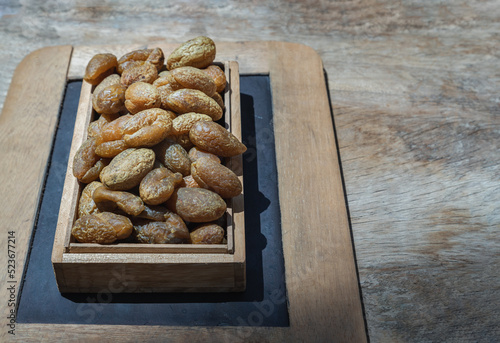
{"points": [[414, 89]]}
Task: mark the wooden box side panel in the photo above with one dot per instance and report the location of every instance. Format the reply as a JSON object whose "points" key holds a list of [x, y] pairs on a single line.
{"points": [[149, 277]]}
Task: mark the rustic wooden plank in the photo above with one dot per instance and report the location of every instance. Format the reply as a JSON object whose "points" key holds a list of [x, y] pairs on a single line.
{"points": [[27, 128], [321, 276]]}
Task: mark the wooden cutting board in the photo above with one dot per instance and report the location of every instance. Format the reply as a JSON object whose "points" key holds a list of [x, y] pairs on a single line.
{"points": [[322, 286]]}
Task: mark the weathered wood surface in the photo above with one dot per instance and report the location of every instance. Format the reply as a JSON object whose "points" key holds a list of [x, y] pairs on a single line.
{"points": [[414, 90]]}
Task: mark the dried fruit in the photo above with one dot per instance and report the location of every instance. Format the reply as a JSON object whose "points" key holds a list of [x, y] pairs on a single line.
{"points": [[194, 78], [217, 74], [86, 205], [198, 52], [207, 234], [212, 137], [197, 205], [192, 100], [134, 58], [145, 72], [216, 177], [141, 96], [173, 156], [147, 128], [171, 231], [110, 100], [86, 164], [128, 168], [109, 142], [103, 228], [109, 200], [100, 66], [183, 123], [196, 153], [158, 185]]}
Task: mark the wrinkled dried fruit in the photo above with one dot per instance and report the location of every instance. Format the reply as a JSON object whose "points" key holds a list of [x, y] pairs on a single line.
{"points": [[194, 78], [212, 137], [110, 140], [145, 72], [183, 123], [158, 185], [133, 58], [99, 67], [196, 153], [197, 205], [147, 128], [109, 200], [128, 168], [198, 52], [96, 127], [207, 234], [103, 228], [141, 96], [216, 177], [217, 74], [192, 100], [86, 205], [110, 100], [171, 231], [173, 156], [86, 164], [182, 140]]}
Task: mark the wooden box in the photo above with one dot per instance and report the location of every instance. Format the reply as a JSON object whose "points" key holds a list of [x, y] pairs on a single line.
{"points": [[135, 267]]}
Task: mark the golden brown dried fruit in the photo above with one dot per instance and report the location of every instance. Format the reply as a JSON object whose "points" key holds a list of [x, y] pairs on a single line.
{"points": [[217, 74], [109, 200], [86, 164], [197, 205], [128, 168], [158, 185], [195, 153], [86, 205], [103, 228], [198, 52], [218, 99], [183, 123], [99, 67], [173, 156], [145, 72], [171, 231], [109, 142], [110, 100], [216, 177], [147, 128], [212, 137], [194, 78], [96, 127], [207, 234], [153, 56], [192, 100], [141, 96]]}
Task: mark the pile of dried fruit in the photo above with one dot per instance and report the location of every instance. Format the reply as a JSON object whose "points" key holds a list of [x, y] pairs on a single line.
{"points": [[151, 161]]}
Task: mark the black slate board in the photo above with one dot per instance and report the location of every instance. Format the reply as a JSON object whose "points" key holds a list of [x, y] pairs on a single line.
{"points": [[262, 304]]}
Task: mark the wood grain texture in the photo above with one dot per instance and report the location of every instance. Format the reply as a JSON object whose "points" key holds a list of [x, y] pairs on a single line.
{"points": [[414, 91]]}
